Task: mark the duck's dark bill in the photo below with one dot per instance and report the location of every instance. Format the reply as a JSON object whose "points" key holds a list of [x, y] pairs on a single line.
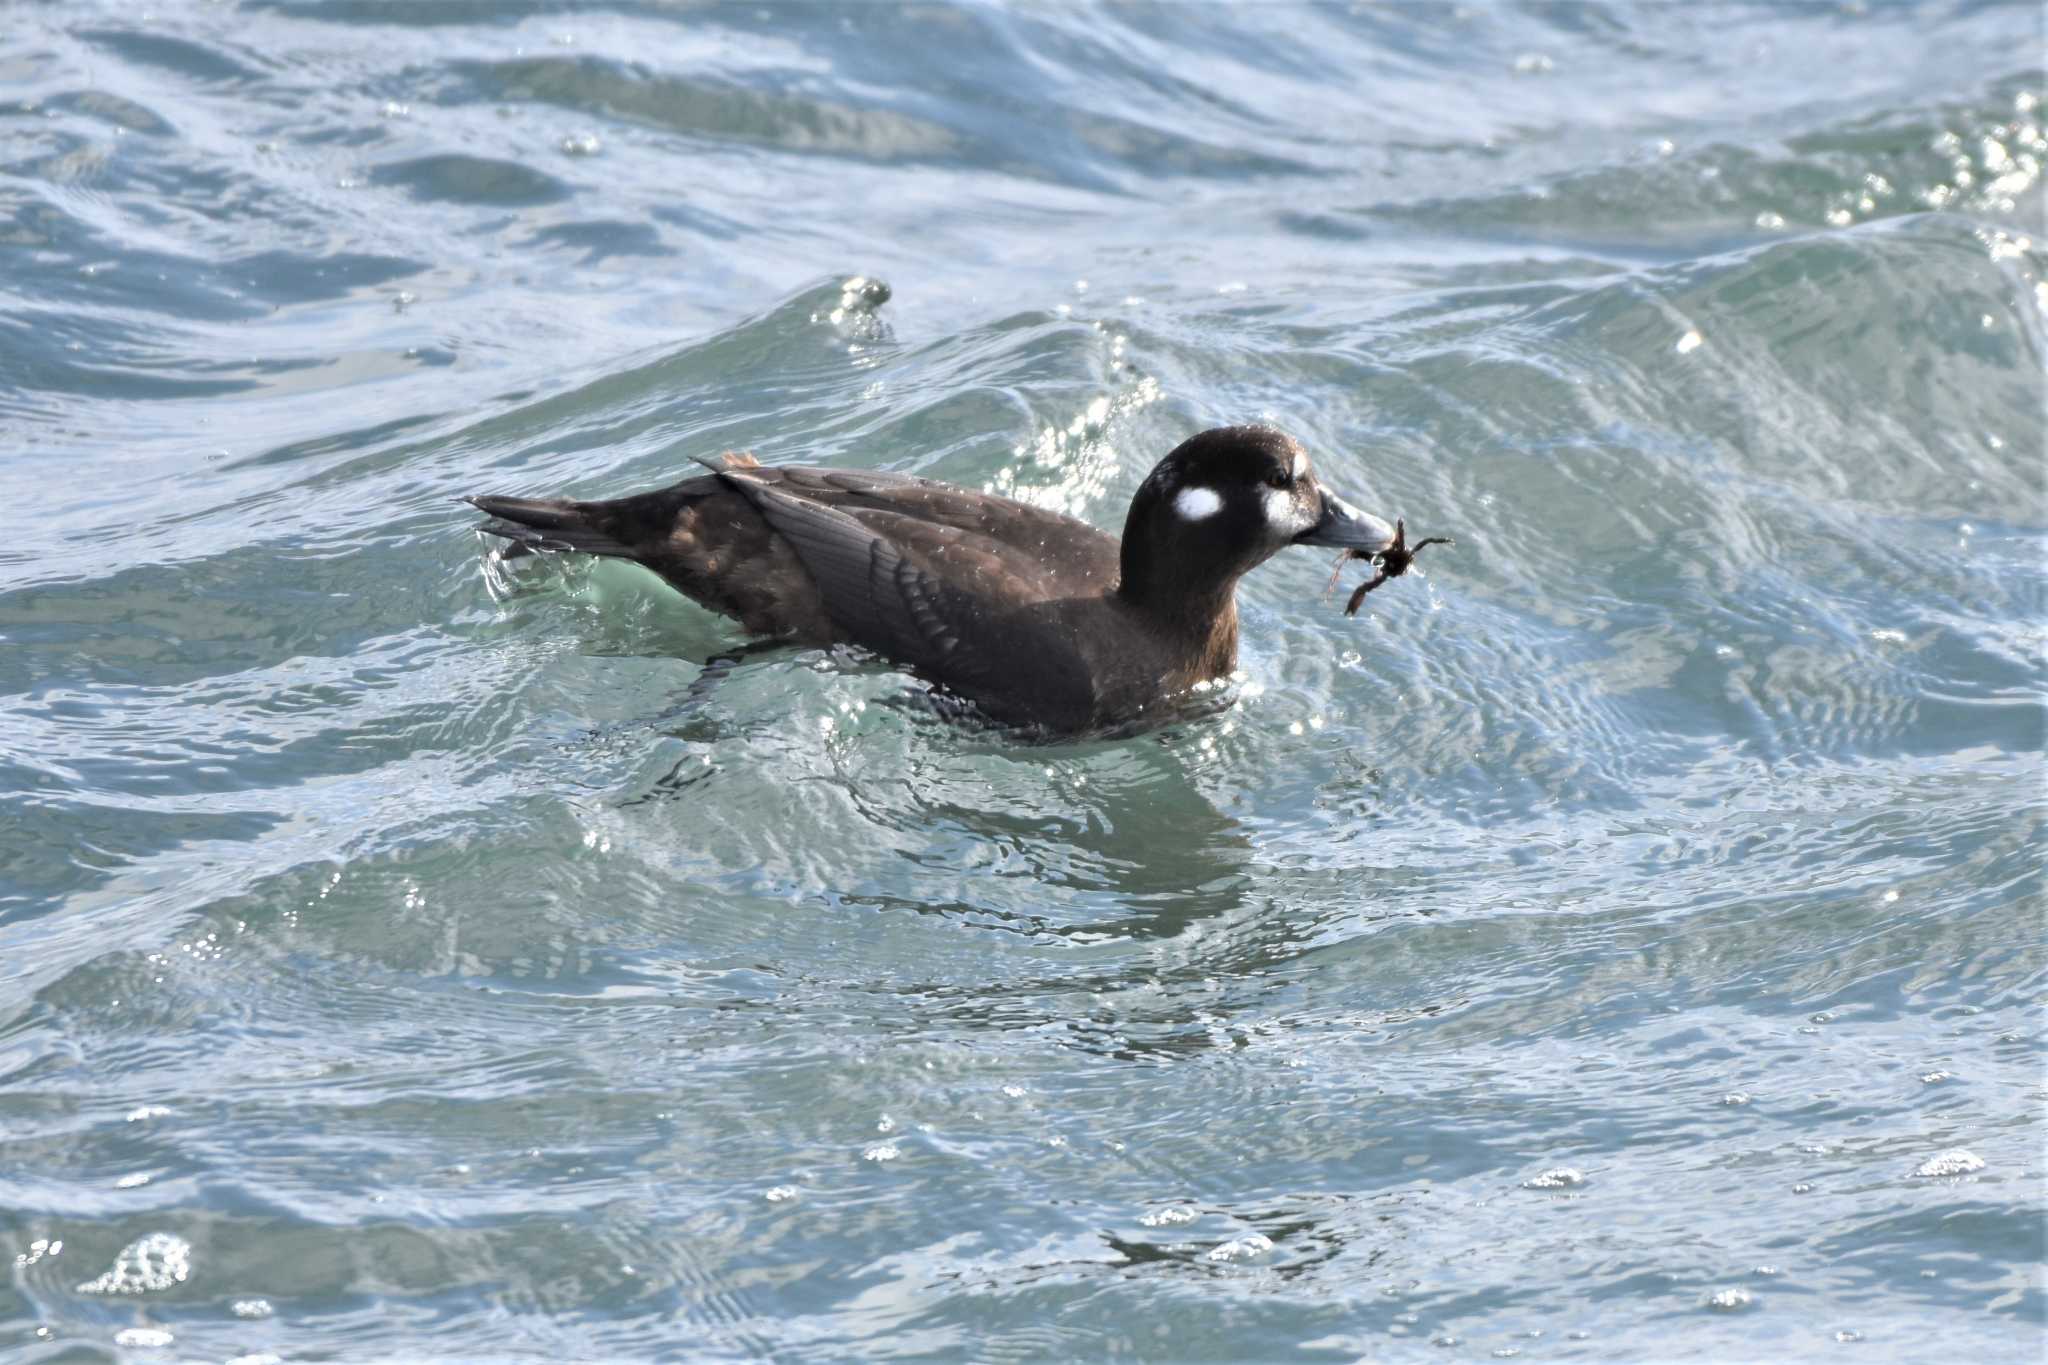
{"points": [[1345, 527]]}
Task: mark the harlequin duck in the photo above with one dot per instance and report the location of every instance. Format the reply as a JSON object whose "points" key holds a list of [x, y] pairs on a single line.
{"points": [[1037, 618]]}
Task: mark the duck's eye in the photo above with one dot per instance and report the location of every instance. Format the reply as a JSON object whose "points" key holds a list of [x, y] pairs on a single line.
{"points": [[1278, 479]]}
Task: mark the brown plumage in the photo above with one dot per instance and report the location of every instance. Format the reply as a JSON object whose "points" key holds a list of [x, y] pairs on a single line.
{"points": [[1038, 618]]}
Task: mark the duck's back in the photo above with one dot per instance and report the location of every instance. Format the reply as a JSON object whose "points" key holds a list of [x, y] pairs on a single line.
{"points": [[1026, 553]]}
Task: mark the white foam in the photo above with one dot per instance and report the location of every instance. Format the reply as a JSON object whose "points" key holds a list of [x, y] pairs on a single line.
{"points": [[143, 1337], [1171, 1216], [1955, 1161], [151, 1263], [1242, 1248]]}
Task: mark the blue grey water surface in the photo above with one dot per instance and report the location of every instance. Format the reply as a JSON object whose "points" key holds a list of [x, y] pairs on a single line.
{"points": [[1621, 941]]}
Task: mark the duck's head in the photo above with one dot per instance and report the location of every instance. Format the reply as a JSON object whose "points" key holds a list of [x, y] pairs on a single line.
{"points": [[1224, 502]]}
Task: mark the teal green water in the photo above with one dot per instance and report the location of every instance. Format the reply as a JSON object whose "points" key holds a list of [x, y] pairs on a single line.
{"points": [[1621, 941]]}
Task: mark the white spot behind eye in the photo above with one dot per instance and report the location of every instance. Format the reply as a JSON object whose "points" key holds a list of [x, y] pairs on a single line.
{"points": [[1280, 510], [1195, 503]]}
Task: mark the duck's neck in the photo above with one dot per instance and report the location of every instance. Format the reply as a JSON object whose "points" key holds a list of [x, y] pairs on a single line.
{"points": [[1198, 625]]}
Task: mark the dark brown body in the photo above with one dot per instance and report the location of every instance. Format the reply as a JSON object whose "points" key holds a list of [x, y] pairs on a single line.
{"points": [[1038, 618], [1009, 605]]}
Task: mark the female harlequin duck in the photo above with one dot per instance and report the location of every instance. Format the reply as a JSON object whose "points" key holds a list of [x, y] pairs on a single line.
{"points": [[1037, 618]]}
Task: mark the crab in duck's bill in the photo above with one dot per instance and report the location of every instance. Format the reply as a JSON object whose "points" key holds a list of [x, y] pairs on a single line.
{"points": [[1391, 562]]}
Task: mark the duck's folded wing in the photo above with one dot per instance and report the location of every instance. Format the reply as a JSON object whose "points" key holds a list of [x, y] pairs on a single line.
{"points": [[1071, 556], [971, 628]]}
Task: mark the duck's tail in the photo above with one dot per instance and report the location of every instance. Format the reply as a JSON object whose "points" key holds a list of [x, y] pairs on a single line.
{"points": [[638, 527], [554, 525]]}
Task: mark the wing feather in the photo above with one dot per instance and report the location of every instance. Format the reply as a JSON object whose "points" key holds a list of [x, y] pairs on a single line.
{"points": [[877, 591]]}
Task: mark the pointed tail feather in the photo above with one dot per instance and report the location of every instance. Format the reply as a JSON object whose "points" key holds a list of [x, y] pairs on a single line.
{"points": [[549, 525]]}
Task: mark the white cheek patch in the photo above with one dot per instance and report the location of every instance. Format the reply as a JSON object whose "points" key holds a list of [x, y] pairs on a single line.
{"points": [[1280, 509], [1300, 466], [1193, 504]]}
